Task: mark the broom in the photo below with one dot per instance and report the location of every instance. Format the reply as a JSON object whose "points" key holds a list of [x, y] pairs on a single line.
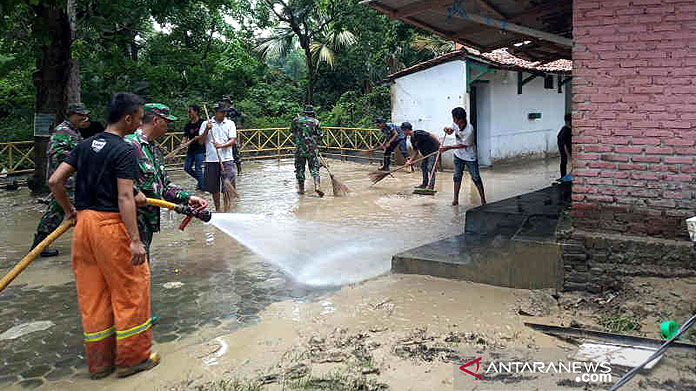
{"points": [[431, 180], [228, 190], [339, 189], [178, 149], [377, 176]]}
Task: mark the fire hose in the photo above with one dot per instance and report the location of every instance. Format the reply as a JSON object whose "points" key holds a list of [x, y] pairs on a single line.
{"points": [[186, 210]]}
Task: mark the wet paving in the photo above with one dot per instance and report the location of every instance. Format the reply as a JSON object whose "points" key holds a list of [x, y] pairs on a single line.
{"points": [[203, 279]]}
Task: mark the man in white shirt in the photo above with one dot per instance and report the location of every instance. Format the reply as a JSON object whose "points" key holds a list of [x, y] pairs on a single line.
{"points": [[464, 153], [219, 135]]}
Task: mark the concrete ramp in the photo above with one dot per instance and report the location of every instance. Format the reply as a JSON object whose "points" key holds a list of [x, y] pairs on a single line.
{"points": [[509, 243]]}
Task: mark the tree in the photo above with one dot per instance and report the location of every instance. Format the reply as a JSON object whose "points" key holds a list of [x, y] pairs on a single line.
{"points": [[433, 44], [311, 25], [56, 77]]}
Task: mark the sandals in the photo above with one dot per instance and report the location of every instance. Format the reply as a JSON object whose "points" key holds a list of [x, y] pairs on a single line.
{"points": [[143, 366], [102, 374]]}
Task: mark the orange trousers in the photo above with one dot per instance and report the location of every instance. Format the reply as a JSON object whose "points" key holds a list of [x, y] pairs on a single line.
{"points": [[114, 296]]}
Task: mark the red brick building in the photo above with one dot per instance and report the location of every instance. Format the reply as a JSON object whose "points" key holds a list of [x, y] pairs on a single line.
{"points": [[634, 115]]}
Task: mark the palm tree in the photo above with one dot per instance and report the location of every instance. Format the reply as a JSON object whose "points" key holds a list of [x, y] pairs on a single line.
{"points": [[432, 43], [305, 24]]}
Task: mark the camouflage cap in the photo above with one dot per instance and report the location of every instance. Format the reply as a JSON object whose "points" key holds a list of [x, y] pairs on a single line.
{"points": [[220, 106], [159, 109], [77, 108], [309, 109]]}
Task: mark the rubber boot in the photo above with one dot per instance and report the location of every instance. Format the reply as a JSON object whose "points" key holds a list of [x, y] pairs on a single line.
{"points": [[387, 163], [300, 187], [47, 252], [317, 188]]}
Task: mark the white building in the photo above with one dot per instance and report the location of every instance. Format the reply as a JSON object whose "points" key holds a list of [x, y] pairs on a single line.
{"points": [[516, 107]]}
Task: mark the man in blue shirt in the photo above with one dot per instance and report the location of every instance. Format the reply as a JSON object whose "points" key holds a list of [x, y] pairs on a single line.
{"points": [[394, 137]]}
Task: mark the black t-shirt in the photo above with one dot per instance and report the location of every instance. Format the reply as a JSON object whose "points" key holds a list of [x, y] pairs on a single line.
{"points": [[99, 161], [565, 137], [191, 131], [424, 142]]}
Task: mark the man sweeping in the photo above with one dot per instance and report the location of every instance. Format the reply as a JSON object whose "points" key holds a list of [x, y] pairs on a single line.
{"points": [[109, 259], [153, 180], [424, 143], [307, 134], [63, 141], [219, 135], [464, 153], [393, 137]]}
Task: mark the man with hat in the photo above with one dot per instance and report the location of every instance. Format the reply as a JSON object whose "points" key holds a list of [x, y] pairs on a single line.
{"points": [[307, 134], [219, 135], [232, 115], [393, 137], [425, 143], [152, 180], [63, 141]]}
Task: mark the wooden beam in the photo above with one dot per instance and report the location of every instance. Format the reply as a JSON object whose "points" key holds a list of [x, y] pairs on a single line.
{"points": [[562, 81], [505, 26], [417, 7], [492, 9], [538, 10], [521, 81], [465, 31], [391, 12]]}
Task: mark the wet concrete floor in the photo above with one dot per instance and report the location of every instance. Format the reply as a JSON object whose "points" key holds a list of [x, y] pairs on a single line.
{"points": [[202, 279]]}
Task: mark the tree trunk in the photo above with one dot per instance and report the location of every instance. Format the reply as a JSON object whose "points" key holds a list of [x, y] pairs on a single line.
{"points": [[54, 80], [310, 75]]}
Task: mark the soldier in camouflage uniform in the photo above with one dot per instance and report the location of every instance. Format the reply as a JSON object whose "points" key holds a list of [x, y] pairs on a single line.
{"points": [[153, 181], [64, 139], [307, 134]]}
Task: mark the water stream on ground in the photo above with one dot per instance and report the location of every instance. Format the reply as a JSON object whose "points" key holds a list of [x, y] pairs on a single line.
{"points": [[312, 253]]}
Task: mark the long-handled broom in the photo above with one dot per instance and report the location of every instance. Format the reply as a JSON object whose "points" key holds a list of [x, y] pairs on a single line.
{"points": [[377, 176], [178, 149], [339, 189], [228, 190], [66, 225], [431, 181]]}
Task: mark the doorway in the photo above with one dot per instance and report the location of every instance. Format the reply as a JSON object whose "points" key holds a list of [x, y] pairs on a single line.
{"points": [[479, 116]]}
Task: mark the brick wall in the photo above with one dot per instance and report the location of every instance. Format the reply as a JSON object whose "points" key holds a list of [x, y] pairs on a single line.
{"points": [[634, 116]]}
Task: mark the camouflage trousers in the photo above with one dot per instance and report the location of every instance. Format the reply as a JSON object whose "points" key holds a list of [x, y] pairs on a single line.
{"points": [[52, 217], [146, 233], [312, 161]]}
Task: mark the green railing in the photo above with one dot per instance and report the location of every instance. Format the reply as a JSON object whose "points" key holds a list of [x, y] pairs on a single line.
{"points": [[268, 143]]}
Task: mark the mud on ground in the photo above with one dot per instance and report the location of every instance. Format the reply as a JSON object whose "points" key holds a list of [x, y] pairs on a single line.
{"points": [[412, 333]]}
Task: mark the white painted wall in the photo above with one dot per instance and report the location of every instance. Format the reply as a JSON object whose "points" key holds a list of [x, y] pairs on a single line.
{"points": [[512, 134], [426, 98]]}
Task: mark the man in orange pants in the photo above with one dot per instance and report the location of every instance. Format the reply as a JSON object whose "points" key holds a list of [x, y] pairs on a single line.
{"points": [[112, 277]]}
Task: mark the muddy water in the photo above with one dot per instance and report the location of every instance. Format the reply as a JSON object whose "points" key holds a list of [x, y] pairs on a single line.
{"points": [[203, 279]]}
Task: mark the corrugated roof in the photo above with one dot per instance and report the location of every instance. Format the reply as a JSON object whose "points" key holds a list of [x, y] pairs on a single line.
{"points": [[498, 58], [546, 25]]}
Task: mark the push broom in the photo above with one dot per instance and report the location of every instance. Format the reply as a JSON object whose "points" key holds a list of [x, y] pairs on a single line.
{"points": [[377, 176], [431, 180], [339, 189], [228, 190], [186, 210]]}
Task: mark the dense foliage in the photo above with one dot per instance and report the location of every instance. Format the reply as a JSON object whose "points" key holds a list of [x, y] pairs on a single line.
{"points": [[196, 51]]}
